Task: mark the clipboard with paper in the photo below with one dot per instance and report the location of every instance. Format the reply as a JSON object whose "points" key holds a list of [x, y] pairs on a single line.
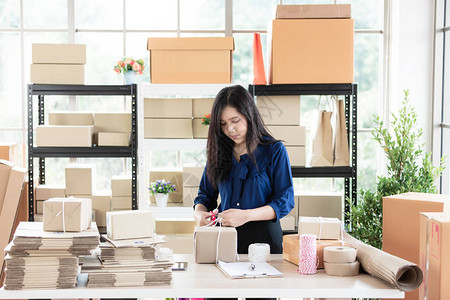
{"points": [[235, 270]]}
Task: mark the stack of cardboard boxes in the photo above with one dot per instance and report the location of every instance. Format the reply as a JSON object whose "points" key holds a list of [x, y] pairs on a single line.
{"points": [[58, 63], [121, 192], [112, 128]]}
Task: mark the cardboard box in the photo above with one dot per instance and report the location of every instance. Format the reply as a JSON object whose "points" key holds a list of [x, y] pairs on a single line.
{"points": [[287, 223], [121, 185], [64, 136], [168, 128], [79, 179], [67, 214], [113, 139], [297, 155], [192, 176], [199, 130], [71, 118], [320, 204], [123, 202], [191, 59], [112, 122], [434, 250], [175, 177], [46, 191], [176, 108], [201, 107], [312, 51], [40, 206], [401, 224], [180, 243], [8, 152], [323, 228], [56, 74], [172, 226], [279, 110], [101, 203], [314, 11], [291, 248], [205, 244], [5, 172], [290, 135], [189, 195], [58, 53], [129, 224], [9, 207]]}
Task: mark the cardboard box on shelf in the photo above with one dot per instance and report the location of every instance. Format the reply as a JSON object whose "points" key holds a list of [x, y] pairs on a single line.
{"points": [[171, 226], [112, 122], [323, 228], [121, 185], [201, 107], [40, 206], [168, 128], [320, 204], [279, 110], [71, 118], [291, 247], [129, 224], [175, 177], [47, 191], [176, 108], [314, 11], [401, 224], [311, 51], [199, 130], [192, 176], [288, 223], [290, 135], [67, 214], [121, 202], [297, 155], [189, 195], [205, 244], [79, 179], [434, 249], [113, 139], [8, 152], [56, 74], [58, 53], [64, 136], [101, 203], [191, 59]]}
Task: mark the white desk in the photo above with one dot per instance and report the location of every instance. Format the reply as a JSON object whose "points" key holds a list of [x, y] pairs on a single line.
{"points": [[206, 280]]}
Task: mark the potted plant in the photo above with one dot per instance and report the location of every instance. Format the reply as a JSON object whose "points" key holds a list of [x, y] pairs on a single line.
{"points": [[206, 119], [130, 68], [161, 190]]}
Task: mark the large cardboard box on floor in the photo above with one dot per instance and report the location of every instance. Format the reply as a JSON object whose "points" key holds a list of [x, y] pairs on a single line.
{"points": [[5, 172], [129, 224], [435, 252], [199, 130], [113, 139], [56, 74], [290, 135], [297, 155], [320, 204], [67, 214], [191, 59], [201, 107], [314, 11], [71, 118], [112, 122], [279, 110], [168, 128], [311, 51], [101, 203], [80, 179], [401, 224], [176, 108], [175, 177], [8, 152], [64, 136], [58, 54]]}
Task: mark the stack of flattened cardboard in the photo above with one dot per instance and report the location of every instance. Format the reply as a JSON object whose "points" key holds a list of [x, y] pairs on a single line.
{"points": [[122, 263], [39, 259]]}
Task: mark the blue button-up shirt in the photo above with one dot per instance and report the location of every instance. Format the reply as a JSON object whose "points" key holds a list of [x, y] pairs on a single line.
{"points": [[250, 187]]}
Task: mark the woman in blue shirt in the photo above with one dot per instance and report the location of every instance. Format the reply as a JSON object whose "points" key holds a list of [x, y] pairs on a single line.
{"points": [[249, 169]]}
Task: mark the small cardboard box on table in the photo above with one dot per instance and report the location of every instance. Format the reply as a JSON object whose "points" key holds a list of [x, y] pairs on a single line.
{"points": [[67, 214], [129, 224], [207, 240]]}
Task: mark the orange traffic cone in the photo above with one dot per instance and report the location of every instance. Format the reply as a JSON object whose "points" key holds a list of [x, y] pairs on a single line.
{"points": [[259, 76]]}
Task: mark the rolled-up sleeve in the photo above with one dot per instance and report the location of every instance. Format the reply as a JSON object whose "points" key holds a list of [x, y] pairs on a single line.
{"points": [[207, 194], [282, 200]]}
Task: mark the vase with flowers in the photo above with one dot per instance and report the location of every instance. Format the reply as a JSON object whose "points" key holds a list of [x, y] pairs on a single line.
{"points": [[161, 190], [130, 68]]}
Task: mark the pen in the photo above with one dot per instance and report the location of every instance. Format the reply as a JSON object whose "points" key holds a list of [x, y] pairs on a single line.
{"points": [[252, 266]]}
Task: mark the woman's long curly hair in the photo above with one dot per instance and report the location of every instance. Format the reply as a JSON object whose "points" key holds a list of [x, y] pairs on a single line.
{"points": [[220, 146]]}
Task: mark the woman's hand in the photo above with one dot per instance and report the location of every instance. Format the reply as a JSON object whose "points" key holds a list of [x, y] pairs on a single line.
{"points": [[234, 217], [202, 217]]}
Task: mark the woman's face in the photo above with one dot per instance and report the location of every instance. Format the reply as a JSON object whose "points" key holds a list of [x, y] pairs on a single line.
{"points": [[233, 124]]}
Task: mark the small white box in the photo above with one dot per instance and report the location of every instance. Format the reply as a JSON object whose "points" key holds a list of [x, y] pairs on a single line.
{"points": [[323, 228], [129, 224]]}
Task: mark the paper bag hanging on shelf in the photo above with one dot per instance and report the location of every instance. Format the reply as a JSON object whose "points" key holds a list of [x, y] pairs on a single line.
{"points": [[340, 140], [259, 76], [322, 151]]}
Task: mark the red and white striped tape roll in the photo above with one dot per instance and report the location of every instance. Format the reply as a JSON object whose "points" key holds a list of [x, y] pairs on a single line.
{"points": [[308, 254]]}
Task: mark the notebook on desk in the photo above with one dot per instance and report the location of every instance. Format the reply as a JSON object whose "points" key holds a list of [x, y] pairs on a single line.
{"points": [[248, 269]]}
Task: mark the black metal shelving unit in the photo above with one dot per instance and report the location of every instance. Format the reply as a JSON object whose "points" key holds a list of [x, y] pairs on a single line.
{"points": [[42, 90], [350, 91]]}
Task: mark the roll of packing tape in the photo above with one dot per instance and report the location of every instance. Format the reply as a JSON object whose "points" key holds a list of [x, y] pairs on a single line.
{"points": [[339, 254], [342, 269], [259, 252]]}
